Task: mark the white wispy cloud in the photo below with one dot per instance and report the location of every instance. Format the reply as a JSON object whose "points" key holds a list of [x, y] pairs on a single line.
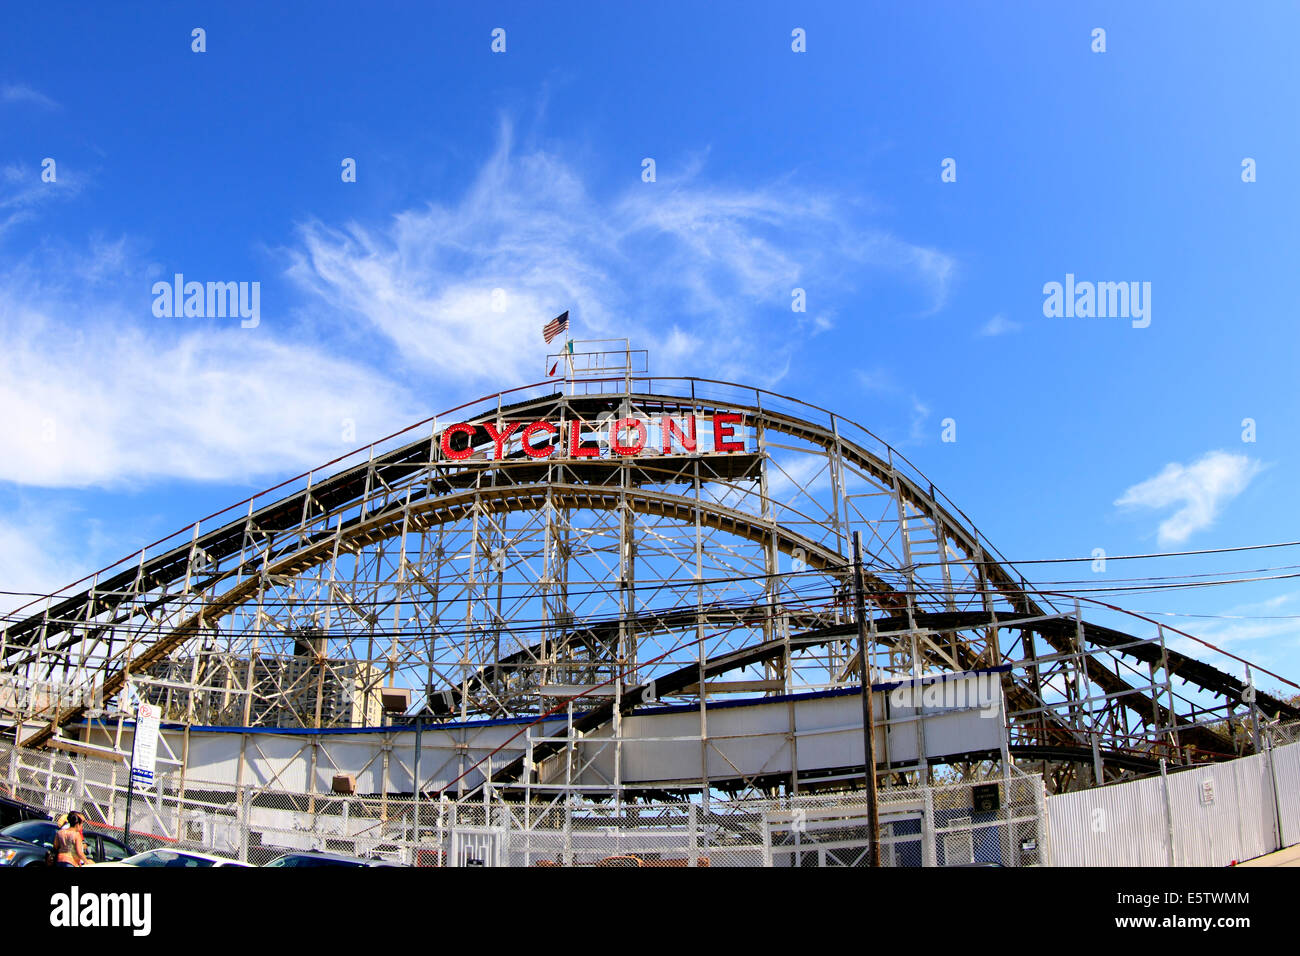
{"points": [[1264, 631], [98, 392], [22, 93], [1228, 634], [22, 190], [662, 263], [791, 475], [816, 324], [34, 557], [917, 412], [999, 325], [1199, 490], [92, 396], [48, 541]]}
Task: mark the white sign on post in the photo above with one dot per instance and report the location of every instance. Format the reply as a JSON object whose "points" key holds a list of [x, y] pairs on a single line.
{"points": [[144, 749]]}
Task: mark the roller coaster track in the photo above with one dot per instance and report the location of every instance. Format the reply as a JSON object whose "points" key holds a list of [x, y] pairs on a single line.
{"points": [[452, 489], [676, 681]]}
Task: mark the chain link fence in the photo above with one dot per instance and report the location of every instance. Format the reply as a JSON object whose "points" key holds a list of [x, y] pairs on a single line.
{"points": [[993, 822], [1283, 734]]}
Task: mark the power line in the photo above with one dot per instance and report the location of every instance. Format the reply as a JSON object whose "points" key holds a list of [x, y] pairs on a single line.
{"points": [[844, 566], [307, 609], [1181, 633], [1226, 617], [489, 585], [1158, 554]]}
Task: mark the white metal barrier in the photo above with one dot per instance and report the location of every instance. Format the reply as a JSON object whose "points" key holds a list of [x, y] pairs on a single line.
{"points": [[256, 822], [1205, 816]]}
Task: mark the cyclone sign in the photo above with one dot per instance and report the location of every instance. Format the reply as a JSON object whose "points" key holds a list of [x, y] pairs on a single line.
{"points": [[609, 437]]}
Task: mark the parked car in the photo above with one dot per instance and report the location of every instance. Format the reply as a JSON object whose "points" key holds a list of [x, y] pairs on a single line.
{"points": [[27, 842], [15, 811], [318, 858], [176, 859]]}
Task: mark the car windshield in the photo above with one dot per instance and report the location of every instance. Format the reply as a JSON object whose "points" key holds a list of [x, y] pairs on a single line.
{"points": [[33, 831], [167, 858]]}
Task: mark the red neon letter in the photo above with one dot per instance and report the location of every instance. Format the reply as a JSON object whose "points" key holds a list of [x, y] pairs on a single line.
{"points": [[526, 440], [723, 427], [500, 437], [576, 448], [446, 441], [671, 431], [639, 443]]}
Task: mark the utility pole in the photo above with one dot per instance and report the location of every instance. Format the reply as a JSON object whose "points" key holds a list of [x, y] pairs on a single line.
{"points": [[868, 712], [1248, 695]]}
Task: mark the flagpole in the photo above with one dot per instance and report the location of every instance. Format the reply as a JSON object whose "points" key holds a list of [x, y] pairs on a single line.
{"points": [[552, 329]]}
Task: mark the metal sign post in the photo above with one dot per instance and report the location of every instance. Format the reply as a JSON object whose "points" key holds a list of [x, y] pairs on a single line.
{"points": [[415, 774], [868, 710], [130, 787], [144, 754]]}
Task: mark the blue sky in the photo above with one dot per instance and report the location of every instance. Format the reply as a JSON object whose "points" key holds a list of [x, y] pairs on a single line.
{"points": [[775, 170]]}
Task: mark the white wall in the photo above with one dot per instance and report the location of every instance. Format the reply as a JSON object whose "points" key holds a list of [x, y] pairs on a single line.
{"points": [[1286, 764], [1128, 824]]}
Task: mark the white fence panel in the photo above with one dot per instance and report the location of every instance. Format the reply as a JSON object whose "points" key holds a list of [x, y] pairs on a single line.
{"points": [[1122, 825], [1222, 813], [1286, 767], [1219, 813]]}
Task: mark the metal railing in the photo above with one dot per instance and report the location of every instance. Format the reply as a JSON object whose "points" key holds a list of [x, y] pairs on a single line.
{"points": [[920, 826]]}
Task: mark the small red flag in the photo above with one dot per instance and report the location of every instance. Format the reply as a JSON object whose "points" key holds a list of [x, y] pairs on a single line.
{"points": [[553, 368]]}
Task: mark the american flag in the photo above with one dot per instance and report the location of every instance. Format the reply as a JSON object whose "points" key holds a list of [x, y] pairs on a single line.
{"points": [[554, 327]]}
